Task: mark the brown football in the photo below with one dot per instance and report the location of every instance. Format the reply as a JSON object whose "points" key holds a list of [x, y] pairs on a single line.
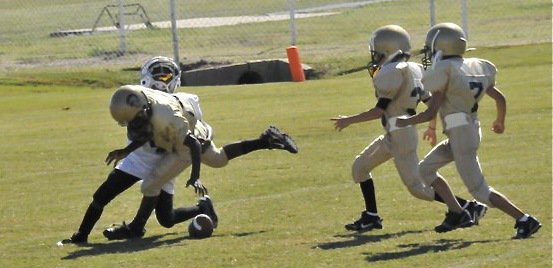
{"points": [[200, 227]]}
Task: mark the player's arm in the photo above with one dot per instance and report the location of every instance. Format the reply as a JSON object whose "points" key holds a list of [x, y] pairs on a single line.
{"points": [[430, 132], [195, 152], [118, 154], [342, 121], [501, 106], [139, 131], [429, 114]]}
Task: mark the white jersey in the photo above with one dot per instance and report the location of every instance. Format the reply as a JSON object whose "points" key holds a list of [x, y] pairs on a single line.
{"points": [[202, 129], [194, 101], [464, 82], [400, 82]]}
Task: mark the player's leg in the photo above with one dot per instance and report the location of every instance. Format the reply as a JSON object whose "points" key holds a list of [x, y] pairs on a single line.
{"points": [[116, 182], [438, 157], [271, 138], [525, 224], [168, 217], [372, 156], [214, 156], [404, 149], [135, 228], [403, 145], [168, 168], [465, 143]]}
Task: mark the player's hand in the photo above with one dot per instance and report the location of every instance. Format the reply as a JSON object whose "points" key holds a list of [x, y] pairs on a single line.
{"points": [[340, 122], [199, 188], [430, 135], [498, 127], [116, 155]]}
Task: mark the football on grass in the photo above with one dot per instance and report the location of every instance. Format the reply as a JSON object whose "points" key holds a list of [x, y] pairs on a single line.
{"points": [[200, 227]]}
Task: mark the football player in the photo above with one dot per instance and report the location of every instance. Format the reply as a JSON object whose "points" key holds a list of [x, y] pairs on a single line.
{"points": [[398, 89], [163, 74], [457, 85]]}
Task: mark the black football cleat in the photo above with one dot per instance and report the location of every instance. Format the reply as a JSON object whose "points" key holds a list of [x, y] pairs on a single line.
{"points": [[77, 238], [526, 228], [365, 223], [279, 140], [477, 210], [206, 206], [454, 220], [121, 232]]}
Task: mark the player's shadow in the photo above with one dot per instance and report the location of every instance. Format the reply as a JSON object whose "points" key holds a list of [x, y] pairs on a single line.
{"points": [[414, 249], [247, 233], [134, 245], [356, 239], [124, 246]]}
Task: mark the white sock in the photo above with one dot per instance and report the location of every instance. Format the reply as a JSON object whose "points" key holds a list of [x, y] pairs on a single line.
{"points": [[524, 218], [372, 214]]}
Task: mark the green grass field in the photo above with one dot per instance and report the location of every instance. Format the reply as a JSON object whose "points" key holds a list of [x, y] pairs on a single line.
{"points": [[331, 44], [275, 209]]}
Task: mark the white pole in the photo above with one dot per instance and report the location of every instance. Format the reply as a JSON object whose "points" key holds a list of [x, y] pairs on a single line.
{"points": [[464, 17], [432, 13], [293, 31], [174, 31], [122, 43]]}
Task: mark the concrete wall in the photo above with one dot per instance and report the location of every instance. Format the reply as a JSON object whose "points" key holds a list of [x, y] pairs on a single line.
{"points": [[252, 72]]}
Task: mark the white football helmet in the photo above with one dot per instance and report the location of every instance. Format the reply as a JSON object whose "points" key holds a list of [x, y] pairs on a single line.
{"points": [[129, 104], [160, 73], [388, 43], [443, 39]]}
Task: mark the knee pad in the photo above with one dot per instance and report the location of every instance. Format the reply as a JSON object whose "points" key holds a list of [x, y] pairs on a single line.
{"points": [[421, 191], [482, 194], [218, 162], [359, 173], [428, 175], [215, 157]]}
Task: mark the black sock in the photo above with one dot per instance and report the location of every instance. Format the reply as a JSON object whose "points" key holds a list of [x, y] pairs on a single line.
{"points": [[461, 201], [367, 188], [184, 214], [237, 149], [90, 218], [147, 205], [167, 216]]}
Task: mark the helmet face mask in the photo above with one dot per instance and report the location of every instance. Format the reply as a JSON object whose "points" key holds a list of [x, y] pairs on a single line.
{"points": [[160, 73], [373, 66], [387, 44], [427, 57]]}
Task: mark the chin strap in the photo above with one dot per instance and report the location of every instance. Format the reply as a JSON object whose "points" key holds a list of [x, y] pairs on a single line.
{"points": [[436, 58]]}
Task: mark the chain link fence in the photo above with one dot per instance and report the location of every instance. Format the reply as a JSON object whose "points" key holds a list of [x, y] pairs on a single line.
{"points": [[331, 34]]}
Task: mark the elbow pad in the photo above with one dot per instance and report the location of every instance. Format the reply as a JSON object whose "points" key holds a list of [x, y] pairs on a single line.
{"points": [[383, 103]]}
